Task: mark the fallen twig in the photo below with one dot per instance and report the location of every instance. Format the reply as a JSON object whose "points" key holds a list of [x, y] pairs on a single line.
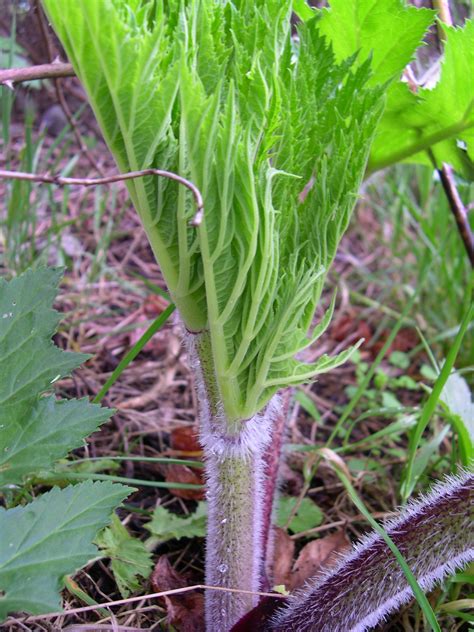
{"points": [[165, 593], [119, 177], [11, 76], [458, 209]]}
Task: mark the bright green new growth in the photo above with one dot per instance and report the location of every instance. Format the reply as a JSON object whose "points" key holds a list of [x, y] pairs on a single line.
{"points": [[439, 119], [388, 31], [130, 561], [273, 133]]}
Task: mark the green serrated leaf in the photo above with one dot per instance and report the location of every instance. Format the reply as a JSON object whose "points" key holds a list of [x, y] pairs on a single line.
{"points": [[399, 359], [33, 439], [169, 526], [308, 516], [303, 10], [29, 362], [49, 538], [389, 400], [129, 557], [388, 30], [36, 431]]}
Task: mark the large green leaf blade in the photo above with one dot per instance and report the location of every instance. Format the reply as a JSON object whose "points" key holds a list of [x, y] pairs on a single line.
{"points": [[49, 538], [388, 30], [433, 119]]}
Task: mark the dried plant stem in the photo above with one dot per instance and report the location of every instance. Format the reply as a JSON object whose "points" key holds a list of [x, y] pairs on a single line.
{"points": [[458, 209], [11, 76], [234, 453], [446, 173], [444, 12], [91, 182], [130, 600]]}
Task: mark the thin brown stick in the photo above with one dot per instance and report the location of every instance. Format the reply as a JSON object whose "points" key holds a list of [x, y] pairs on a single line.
{"points": [[119, 177], [11, 76], [165, 593], [458, 209]]}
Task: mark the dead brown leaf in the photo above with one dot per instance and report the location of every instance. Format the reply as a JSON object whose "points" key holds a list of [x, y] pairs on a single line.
{"points": [[291, 480], [185, 439], [154, 304], [183, 474], [348, 325], [316, 556], [186, 611], [405, 340], [283, 553]]}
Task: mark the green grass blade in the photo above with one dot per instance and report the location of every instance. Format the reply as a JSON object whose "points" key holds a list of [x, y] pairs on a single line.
{"points": [[84, 476], [139, 459], [134, 351], [381, 354], [417, 591], [430, 405]]}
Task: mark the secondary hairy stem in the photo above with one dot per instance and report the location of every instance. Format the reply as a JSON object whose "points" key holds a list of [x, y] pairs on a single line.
{"points": [[434, 535]]}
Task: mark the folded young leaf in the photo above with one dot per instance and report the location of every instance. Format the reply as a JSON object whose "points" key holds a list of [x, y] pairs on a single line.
{"points": [[36, 431], [435, 536], [49, 538]]}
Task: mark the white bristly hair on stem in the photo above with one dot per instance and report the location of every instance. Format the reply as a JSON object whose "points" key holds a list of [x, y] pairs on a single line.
{"points": [[435, 535]]}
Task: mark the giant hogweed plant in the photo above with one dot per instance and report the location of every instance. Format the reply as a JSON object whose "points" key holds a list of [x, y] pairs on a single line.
{"points": [[276, 135]]}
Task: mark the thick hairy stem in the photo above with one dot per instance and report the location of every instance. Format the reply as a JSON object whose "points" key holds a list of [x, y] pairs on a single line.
{"points": [[235, 472], [435, 536]]}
